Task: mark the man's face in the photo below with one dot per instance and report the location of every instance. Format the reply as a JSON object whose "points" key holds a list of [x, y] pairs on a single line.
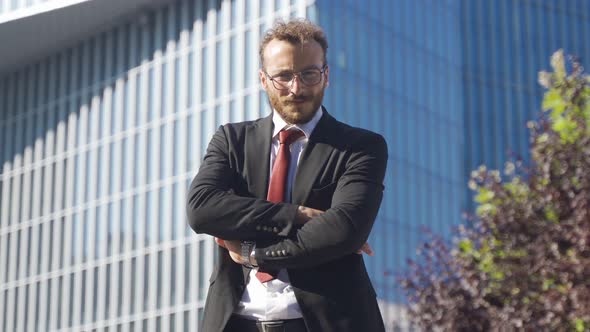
{"points": [[297, 102]]}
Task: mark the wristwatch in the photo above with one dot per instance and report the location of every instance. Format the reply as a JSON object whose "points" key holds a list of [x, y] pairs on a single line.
{"points": [[248, 252]]}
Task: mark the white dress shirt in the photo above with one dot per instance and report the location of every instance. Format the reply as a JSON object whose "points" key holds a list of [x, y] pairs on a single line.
{"points": [[275, 300]]}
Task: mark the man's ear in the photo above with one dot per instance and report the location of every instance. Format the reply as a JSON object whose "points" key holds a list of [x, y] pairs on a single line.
{"points": [[327, 77], [263, 78]]}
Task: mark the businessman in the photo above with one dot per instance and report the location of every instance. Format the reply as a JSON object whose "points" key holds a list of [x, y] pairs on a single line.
{"points": [[291, 199]]}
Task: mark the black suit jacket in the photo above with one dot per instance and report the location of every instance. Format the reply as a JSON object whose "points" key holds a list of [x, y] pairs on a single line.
{"points": [[340, 171]]}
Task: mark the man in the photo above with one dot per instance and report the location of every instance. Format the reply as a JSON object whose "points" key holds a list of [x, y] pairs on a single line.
{"points": [[291, 199]]}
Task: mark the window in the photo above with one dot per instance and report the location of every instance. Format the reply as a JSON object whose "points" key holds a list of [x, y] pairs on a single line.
{"points": [[159, 280], [179, 105], [101, 239], [203, 279], [146, 280], [205, 72], [188, 260], [164, 145], [150, 226], [165, 88], [249, 69], [164, 213], [107, 291], [179, 136], [133, 285], [173, 285], [114, 232], [151, 158]]}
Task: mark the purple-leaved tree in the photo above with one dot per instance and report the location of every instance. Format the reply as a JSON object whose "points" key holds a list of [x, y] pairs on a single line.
{"points": [[524, 261]]}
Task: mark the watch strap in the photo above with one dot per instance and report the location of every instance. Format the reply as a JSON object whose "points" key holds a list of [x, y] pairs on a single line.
{"points": [[247, 248]]}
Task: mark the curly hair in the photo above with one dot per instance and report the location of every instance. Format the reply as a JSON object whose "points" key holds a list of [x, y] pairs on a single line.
{"points": [[297, 32]]}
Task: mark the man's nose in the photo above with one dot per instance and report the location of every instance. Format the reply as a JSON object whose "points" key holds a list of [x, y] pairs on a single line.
{"points": [[296, 85]]}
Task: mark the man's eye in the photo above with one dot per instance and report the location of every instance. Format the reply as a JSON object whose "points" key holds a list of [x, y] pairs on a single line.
{"points": [[309, 75], [284, 77]]}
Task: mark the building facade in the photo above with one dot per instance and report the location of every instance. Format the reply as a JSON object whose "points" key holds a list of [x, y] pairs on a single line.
{"points": [[106, 109]]}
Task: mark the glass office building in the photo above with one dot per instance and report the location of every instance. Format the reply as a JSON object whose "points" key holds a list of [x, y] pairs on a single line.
{"points": [[106, 108]]}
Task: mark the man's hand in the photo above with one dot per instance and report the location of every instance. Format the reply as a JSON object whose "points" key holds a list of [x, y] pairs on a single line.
{"points": [[366, 248], [304, 214], [234, 247]]}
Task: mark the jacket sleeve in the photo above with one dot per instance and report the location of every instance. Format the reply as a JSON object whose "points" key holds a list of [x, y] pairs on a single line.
{"points": [[214, 209], [343, 228]]}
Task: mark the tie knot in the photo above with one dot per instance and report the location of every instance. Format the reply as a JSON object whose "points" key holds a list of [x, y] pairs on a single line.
{"points": [[289, 136]]}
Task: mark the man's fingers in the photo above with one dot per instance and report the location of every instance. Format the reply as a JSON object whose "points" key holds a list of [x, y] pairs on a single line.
{"points": [[366, 248], [236, 257], [314, 212], [232, 245], [220, 242], [304, 214]]}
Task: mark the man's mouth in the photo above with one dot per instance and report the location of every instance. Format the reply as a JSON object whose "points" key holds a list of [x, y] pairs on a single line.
{"points": [[297, 100]]}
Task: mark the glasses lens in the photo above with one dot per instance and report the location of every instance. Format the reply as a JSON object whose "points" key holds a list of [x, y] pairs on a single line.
{"points": [[308, 77], [284, 78], [311, 77]]}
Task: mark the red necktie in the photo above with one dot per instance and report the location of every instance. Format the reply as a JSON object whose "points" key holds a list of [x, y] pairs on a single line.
{"points": [[278, 180]]}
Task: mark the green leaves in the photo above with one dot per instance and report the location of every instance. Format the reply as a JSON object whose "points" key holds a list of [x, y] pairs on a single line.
{"points": [[484, 196], [567, 129], [567, 99], [466, 246], [554, 101], [548, 283], [558, 63], [551, 214], [486, 209], [580, 325]]}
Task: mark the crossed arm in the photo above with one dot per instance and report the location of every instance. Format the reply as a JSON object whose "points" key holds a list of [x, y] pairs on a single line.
{"points": [[309, 236], [304, 214]]}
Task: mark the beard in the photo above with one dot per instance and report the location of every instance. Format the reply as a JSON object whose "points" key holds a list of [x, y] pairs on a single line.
{"points": [[296, 112]]}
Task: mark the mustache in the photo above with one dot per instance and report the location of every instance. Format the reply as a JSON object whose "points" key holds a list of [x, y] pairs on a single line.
{"points": [[296, 99]]}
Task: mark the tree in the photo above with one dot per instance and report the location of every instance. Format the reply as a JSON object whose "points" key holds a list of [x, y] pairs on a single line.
{"points": [[524, 260]]}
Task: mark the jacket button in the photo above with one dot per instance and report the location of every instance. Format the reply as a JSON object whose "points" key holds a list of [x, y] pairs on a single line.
{"points": [[273, 253], [284, 252], [267, 253], [275, 229], [258, 227]]}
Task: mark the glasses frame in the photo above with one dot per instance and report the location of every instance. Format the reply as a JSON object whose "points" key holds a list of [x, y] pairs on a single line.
{"points": [[281, 87]]}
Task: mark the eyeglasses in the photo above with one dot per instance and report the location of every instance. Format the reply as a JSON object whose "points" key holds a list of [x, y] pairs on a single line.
{"points": [[308, 77]]}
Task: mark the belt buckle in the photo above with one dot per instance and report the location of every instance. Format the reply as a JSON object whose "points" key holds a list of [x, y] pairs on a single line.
{"points": [[274, 326]]}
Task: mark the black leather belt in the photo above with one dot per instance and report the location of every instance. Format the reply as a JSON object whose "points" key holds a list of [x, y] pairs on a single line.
{"points": [[239, 324]]}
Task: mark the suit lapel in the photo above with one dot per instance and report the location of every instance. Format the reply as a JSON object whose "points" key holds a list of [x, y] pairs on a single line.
{"points": [[313, 158], [257, 157], [257, 160]]}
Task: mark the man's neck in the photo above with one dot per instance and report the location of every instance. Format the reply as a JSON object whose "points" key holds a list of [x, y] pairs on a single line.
{"points": [[307, 127]]}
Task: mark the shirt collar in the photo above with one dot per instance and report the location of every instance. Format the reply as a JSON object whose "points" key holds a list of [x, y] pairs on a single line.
{"points": [[307, 128]]}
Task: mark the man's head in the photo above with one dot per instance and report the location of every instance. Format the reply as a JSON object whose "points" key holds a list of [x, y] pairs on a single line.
{"points": [[294, 70]]}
